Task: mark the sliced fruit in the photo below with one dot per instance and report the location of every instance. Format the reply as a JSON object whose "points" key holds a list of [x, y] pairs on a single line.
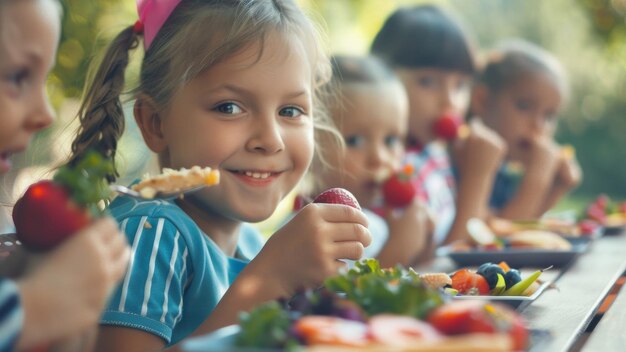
{"points": [[499, 287], [504, 266], [469, 283], [463, 317], [490, 272], [317, 329], [400, 331], [519, 288]]}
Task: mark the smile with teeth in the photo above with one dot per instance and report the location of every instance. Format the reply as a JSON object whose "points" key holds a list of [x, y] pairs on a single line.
{"points": [[254, 174]]}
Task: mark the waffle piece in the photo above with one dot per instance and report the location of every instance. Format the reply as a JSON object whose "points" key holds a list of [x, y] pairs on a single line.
{"points": [[176, 180]]}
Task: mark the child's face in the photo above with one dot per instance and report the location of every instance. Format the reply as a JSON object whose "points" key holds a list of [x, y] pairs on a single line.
{"points": [[523, 111], [433, 92], [373, 122], [29, 35], [250, 117]]}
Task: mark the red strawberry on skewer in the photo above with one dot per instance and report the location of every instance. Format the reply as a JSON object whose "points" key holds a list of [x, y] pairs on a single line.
{"points": [[398, 190], [50, 211], [337, 196]]}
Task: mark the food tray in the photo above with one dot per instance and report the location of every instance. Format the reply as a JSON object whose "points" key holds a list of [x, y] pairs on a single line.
{"points": [[518, 257]]}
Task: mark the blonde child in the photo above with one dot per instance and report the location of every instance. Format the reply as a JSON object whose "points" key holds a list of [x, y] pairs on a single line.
{"points": [[229, 85], [430, 53], [519, 94], [371, 114], [65, 294]]}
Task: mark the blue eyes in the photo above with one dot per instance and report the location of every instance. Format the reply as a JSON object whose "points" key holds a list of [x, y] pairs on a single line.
{"points": [[291, 111], [392, 141], [357, 141], [228, 108], [17, 78], [354, 141], [234, 109]]}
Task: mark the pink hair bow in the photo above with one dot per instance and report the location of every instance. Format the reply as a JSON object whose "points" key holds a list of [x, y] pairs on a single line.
{"points": [[153, 13]]}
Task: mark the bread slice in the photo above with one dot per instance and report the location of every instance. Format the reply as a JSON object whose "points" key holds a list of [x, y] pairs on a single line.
{"points": [[176, 180], [539, 239]]}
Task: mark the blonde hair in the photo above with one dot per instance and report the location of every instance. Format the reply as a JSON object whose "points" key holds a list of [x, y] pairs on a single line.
{"points": [[197, 35]]}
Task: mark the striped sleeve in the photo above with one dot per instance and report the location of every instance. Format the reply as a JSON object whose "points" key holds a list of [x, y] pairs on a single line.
{"points": [[11, 315], [150, 297]]}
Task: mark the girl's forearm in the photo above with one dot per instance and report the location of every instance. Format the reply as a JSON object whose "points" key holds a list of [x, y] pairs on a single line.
{"points": [[472, 199], [529, 199], [249, 290]]}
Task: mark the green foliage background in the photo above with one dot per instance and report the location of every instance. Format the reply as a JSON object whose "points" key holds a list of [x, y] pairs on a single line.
{"points": [[588, 36]]}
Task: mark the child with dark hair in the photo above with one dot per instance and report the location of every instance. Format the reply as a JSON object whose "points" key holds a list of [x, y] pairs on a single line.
{"points": [[370, 110], [519, 94], [429, 51]]}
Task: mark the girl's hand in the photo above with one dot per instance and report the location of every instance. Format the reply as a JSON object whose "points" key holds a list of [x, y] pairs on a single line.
{"points": [[569, 173], [308, 249], [543, 158], [481, 152], [70, 285], [410, 235], [477, 158]]}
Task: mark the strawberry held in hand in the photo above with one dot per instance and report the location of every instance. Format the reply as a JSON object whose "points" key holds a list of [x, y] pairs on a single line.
{"points": [[337, 196], [50, 211], [398, 190], [447, 126]]}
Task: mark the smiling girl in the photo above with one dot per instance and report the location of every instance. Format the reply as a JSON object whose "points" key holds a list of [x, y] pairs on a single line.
{"points": [[230, 85]]}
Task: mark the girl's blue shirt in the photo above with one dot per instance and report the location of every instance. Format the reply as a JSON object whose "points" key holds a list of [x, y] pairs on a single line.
{"points": [[11, 315], [504, 188], [176, 274]]}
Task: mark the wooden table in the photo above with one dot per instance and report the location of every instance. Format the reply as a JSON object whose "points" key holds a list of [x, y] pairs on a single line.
{"points": [[609, 334], [562, 316], [566, 313]]}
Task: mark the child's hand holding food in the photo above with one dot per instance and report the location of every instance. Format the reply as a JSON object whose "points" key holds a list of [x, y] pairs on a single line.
{"points": [[569, 173], [313, 243], [481, 151]]}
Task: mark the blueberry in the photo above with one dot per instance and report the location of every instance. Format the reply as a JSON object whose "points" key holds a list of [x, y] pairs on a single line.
{"points": [[490, 272], [512, 277]]}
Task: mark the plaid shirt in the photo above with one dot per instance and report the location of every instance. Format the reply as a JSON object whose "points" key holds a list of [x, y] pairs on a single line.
{"points": [[435, 185]]}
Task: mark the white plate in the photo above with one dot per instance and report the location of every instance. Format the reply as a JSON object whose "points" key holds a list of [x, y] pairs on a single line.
{"points": [[516, 302]]}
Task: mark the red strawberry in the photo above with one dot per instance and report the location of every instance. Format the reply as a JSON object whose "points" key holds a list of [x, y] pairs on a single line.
{"points": [[463, 317], [398, 190], [602, 201], [50, 211], [447, 126], [588, 227], [596, 212], [337, 196], [46, 215], [470, 283]]}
